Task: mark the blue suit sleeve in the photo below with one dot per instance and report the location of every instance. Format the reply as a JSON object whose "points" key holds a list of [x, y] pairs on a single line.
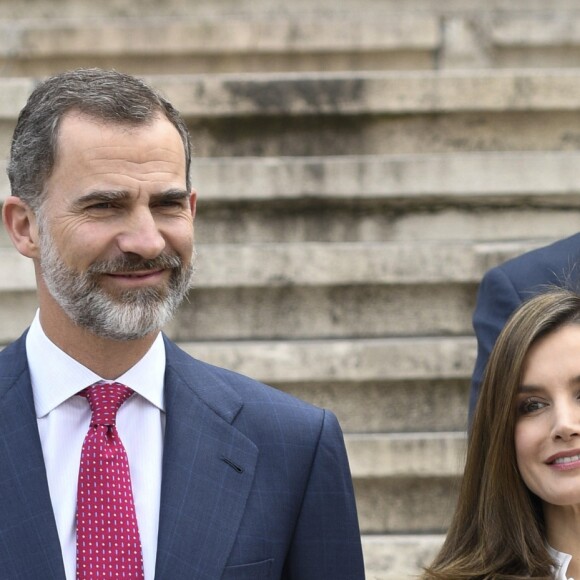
{"points": [[496, 300], [326, 542]]}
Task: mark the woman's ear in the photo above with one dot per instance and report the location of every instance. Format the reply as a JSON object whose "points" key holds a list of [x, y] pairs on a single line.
{"points": [[20, 223]]}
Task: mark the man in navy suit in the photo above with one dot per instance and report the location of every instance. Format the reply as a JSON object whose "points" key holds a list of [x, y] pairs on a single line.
{"points": [[505, 287], [231, 479]]}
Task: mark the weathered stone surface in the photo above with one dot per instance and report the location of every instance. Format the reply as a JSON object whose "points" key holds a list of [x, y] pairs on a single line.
{"points": [[505, 178], [325, 116], [545, 28], [335, 361], [13, 95], [405, 505], [348, 264], [324, 312], [352, 93], [399, 557], [463, 177], [317, 135], [464, 43], [266, 42], [418, 455], [16, 313], [347, 278], [380, 222], [386, 8], [314, 264], [19, 272], [390, 406], [307, 312]]}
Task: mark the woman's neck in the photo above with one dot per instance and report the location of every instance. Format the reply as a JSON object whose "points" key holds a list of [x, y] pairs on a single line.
{"points": [[563, 531]]}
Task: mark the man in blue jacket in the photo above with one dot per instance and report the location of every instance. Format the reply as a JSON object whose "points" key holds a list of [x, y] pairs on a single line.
{"points": [[120, 454], [505, 287]]}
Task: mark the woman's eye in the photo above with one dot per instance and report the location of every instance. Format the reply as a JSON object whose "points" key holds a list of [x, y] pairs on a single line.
{"points": [[530, 406]]}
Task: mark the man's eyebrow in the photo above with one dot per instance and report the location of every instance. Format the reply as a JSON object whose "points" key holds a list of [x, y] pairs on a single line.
{"points": [[100, 196], [170, 195], [107, 196]]}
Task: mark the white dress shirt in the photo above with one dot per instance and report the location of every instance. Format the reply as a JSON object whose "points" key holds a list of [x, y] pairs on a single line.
{"points": [[562, 562], [63, 421]]}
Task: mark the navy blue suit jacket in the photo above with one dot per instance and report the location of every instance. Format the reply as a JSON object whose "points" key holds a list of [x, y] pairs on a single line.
{"points": [[505, 287], [255, 483]]}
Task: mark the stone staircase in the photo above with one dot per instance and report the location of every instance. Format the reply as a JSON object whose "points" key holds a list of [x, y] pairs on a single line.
{"points": [[359, 166]]}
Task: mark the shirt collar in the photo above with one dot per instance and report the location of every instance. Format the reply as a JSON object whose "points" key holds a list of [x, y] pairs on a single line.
{"points": [[562, 561], [56, 377]]}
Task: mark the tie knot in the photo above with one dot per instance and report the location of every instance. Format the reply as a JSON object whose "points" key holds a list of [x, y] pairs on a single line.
{"points": [[105, 399]]}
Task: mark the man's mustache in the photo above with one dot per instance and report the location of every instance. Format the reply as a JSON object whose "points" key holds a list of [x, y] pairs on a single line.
{"points": [[135, 263]]}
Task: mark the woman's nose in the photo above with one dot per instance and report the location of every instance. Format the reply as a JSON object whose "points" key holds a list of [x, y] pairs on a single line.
{"points": [[566, 421]]}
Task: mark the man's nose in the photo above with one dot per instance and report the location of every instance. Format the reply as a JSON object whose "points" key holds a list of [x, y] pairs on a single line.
{"points": [[141, 236]]}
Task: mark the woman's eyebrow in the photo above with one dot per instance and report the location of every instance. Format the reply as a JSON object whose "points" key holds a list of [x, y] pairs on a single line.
{"points": [[526, 389]]}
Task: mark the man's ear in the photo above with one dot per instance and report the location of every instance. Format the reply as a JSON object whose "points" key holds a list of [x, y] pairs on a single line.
{"points": [[20, 223], [193, 202]]}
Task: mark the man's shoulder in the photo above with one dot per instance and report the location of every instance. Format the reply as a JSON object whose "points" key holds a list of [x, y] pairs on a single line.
{"points": [[13, 357], [556, 263], [213, 379], [264, 414]]}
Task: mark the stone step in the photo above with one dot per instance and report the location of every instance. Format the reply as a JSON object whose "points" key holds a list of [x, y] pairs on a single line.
{"points": [[238, 43], [331, 39], [376, 224], [406, 505], [405, 483], [376, 406], [296, 114], [225, 8], [428, 377], [359, 222], [398, 557], [343, 360], [371, 92], [308, 291], [349, 93], [478, 179], [322, 265], [297, 313], [536, 38], [546, 178], [421, 455], [475, 196]]}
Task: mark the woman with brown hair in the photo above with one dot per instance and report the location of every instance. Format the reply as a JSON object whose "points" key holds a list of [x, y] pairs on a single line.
{"points": [[518, 512]]}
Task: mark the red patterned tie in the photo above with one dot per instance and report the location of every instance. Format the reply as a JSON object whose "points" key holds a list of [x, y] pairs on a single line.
{"points": [[108, 544]]}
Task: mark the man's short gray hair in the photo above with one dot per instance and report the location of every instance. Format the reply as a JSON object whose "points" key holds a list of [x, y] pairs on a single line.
{"points": [[104, 95]]}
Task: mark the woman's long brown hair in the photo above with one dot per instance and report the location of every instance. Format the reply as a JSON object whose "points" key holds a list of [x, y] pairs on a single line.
{"points": [[497, 530]]}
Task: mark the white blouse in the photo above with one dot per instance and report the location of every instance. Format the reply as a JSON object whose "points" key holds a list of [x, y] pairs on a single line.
{"points": [[562, 562]]}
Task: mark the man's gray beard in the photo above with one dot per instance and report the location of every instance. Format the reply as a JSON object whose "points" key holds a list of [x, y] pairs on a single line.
{"points": [[133, 313]]}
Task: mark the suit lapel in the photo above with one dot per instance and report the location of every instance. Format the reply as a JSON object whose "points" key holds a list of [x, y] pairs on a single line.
{"points": [[30, 544], [208, 470]]}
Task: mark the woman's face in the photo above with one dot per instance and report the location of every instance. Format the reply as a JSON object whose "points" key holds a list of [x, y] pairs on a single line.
{"points": [[547, 433]]}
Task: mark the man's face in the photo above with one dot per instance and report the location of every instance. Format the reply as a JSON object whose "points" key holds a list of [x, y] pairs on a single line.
{"points": [[116, 230]]}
